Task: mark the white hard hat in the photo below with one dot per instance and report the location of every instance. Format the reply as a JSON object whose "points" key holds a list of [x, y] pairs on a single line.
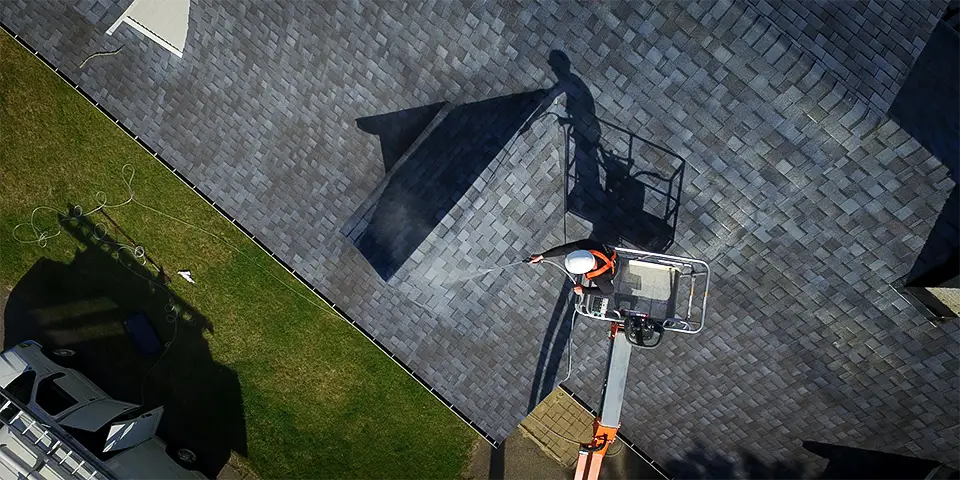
{"points": [[579, 262]]}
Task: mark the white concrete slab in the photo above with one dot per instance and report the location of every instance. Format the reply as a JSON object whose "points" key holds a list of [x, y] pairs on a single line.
{"points": [[163, 21]]}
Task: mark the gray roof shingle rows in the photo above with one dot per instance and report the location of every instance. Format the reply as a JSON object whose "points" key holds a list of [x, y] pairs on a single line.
{"points": [[869, 45], [805, 201]]}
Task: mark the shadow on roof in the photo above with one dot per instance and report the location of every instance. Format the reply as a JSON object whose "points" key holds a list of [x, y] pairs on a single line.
{"points": [[927, 106], [398, 130], [859, 463], [430, 178], [626, 187], [843, 463]]}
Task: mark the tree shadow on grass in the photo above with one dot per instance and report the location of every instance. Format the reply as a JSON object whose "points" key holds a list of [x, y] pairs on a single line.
{"points": [[82, 305]]}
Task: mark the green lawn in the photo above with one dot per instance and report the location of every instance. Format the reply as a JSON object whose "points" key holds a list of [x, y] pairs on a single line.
{"points": [[318, 399]]}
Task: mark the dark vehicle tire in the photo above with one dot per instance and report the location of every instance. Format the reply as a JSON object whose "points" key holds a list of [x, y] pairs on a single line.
{"points": [[64, 357], [184, 457]]}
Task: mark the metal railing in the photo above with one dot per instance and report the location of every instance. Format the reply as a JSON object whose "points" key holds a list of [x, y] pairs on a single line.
{"points": [[58, 450]]}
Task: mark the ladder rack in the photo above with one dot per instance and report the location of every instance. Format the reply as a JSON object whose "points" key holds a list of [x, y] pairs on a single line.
{"points": [[57, 453]]}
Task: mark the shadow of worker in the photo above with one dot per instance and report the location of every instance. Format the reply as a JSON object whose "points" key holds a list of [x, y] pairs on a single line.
{"points": [[626, 187], [586, 195], [584, 131]]}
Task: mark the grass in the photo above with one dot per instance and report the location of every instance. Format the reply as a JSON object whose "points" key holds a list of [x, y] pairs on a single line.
{"points": [[319, 400]]}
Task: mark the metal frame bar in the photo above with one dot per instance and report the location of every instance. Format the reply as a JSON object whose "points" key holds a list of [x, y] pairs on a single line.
{"points": [[616, 381], [607, 422]]}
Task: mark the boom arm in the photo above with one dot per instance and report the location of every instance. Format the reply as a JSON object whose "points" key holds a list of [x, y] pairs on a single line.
{"points": [[608, 422]]}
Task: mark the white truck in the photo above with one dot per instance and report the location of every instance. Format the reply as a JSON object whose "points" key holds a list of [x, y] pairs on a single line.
{"points": [[53, 419]]}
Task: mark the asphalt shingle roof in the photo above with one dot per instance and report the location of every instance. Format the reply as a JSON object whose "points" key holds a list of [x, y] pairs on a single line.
{"points": [[804, 199]]}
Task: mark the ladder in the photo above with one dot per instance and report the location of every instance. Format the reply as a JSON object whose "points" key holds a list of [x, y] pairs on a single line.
{"points": [[55, 450]]}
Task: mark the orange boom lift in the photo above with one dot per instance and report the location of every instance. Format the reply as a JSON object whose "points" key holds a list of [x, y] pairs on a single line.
{"points": [[647, 305]]}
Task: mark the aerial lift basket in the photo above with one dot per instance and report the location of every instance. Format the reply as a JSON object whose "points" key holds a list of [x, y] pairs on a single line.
{"points": [[653, 294]]}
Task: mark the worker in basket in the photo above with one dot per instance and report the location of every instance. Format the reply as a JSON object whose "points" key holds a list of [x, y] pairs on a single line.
{"points": [[592, 259]]}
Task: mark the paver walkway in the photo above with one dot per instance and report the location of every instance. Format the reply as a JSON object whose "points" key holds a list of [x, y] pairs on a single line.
{"points": [[556, 423], [234, 469], [803, 198], [559, 424]]}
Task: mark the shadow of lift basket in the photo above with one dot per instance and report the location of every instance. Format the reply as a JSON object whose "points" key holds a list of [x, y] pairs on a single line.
{"points": [[142, 334]]}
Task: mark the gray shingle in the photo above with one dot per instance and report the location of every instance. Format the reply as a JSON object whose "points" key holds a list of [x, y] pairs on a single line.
{"points": [[266, 127]]}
